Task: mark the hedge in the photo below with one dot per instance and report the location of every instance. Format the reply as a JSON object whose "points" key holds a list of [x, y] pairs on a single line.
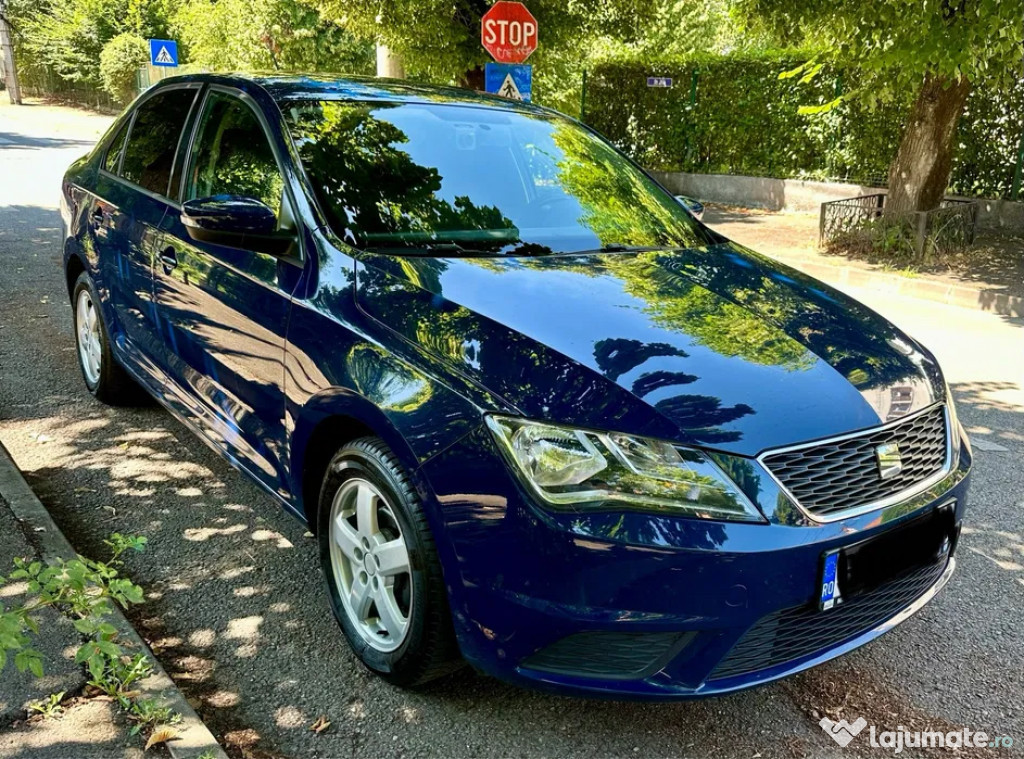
{"points": [[120, 61], [733, 115]]}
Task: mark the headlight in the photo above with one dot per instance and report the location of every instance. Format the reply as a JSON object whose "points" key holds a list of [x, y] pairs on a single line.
{"points": [[580, 469]]}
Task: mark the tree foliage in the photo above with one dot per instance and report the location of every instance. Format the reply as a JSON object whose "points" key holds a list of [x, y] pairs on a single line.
{"points": [[267, 35], [900, 42], [68, 36], [119, 63], [938, 50], [439, 40]]}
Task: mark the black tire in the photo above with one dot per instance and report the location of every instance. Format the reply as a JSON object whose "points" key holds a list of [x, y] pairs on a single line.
{"points": [[113, 385], [429, 649]]}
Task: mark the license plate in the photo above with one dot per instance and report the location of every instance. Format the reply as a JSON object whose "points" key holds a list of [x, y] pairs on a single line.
{"points": [[830, 595]]}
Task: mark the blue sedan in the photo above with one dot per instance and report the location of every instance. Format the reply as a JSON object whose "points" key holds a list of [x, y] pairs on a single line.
{"points": [[538, 416]]}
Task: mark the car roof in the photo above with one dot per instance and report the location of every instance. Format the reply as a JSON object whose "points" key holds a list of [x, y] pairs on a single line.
{"points": [[331, 87]]}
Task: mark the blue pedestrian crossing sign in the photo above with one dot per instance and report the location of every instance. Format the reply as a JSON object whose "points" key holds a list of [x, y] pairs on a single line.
{"points": [[510, 80], [163, 53]]}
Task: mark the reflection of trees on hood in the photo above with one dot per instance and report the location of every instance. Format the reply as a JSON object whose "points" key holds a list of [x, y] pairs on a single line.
{"points": [[367, 183], [843, 333], [702, 416], [618, 356], [677, 304]]}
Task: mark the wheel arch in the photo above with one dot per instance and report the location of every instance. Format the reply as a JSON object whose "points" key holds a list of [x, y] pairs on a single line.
{"points": [[73, 268], [327, 422]]}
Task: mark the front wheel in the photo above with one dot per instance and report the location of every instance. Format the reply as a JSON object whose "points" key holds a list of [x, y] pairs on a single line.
{"points": [[104, 376], [382, 569]]}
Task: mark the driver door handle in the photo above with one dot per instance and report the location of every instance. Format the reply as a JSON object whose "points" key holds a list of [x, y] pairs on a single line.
{"points": [[169, 259]]}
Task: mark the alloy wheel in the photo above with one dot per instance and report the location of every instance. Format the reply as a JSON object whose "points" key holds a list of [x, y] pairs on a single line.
{"points": [[90, 349], [370, 561]]}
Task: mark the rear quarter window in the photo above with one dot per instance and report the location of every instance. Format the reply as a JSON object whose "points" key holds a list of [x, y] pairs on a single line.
{"points": [[112, 161]]}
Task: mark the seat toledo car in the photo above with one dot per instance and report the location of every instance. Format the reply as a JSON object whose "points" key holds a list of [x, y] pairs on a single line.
{"points": [[540, 418]]}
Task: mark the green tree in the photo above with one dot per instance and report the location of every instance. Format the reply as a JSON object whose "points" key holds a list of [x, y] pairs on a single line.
{"points": [[267, 35], [68, 36], [939, 50], [440, 39]]}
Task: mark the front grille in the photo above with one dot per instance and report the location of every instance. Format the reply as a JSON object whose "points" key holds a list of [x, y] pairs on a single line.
{"points": [[831, 478], [609, 655], [792, 634]]}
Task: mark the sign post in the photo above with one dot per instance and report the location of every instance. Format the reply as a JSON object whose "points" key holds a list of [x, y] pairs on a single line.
{"points": [[508, 31]]}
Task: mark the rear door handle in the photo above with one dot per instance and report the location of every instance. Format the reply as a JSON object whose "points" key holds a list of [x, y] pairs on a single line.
{"points": [[169, 259]]}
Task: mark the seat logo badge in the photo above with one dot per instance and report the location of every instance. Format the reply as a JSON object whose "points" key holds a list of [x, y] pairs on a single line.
{"points": [[889, 462]]}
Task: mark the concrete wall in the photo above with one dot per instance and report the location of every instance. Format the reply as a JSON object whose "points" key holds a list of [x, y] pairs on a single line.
{"points": [[802, 195]]}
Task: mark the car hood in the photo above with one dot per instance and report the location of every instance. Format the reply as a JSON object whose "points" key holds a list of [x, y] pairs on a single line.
{"points": [[716, 346]]}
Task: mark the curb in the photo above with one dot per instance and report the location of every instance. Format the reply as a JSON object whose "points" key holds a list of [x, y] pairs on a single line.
{"points": [[962, 296], [194, 738]]}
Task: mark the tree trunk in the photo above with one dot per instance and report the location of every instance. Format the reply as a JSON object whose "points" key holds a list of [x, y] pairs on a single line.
{"points": [[473, 79], [9, 68], [919, 174], [389, 63]]}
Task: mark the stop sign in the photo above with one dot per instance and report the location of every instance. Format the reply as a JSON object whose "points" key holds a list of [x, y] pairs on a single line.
{"points": [[509, 32]]}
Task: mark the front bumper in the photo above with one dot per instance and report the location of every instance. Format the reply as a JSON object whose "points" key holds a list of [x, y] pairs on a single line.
{"points": [[632, 605]]}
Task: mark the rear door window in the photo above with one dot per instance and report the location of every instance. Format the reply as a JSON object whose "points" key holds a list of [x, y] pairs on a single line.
{"points": [[153, 142]]}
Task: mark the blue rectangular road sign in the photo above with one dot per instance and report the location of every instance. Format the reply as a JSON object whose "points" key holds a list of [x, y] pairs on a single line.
{"points": [[163, 53], [510, 80], [659, 81]]}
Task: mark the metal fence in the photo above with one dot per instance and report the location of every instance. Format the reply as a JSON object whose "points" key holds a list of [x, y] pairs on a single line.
{"points": [[43, 83], [950, 227]]}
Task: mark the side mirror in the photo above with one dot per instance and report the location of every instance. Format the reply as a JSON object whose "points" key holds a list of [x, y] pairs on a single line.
{"points": [[695, 207], [236, 222]]}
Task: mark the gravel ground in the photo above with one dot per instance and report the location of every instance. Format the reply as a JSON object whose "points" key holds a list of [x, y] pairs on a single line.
{"points": [[236, 612]]}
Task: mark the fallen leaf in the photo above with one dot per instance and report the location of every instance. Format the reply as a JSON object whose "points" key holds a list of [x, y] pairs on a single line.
{"points": [[321, 724], [161, 734]]}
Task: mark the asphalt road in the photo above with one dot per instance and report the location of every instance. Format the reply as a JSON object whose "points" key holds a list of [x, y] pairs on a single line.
{"points": [[236, 611]]}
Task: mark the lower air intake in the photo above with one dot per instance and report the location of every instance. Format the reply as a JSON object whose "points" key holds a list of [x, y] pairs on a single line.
{"points": [[609, 655]]}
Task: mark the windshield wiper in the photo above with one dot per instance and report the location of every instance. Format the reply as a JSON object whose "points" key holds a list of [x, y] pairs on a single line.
{"points": [[430, 249], [617, 247]]}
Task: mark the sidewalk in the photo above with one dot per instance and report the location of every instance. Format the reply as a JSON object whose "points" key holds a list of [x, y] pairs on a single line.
{"points": [[792, 238], [89, 727], [58, 640]]}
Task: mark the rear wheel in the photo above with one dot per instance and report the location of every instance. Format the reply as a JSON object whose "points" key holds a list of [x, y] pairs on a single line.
{"points": [[382, 569], [104, 376]]}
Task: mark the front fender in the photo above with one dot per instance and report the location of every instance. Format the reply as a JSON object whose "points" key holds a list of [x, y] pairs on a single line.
{"points": [[414, 414]]}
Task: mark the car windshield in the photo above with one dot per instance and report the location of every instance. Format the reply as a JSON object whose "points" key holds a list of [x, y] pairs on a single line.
{"points": [[466, 180]]}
